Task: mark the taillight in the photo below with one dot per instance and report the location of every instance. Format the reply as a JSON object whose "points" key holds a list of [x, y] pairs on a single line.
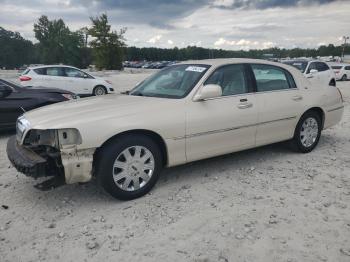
{"points": [[25, 78], [341, 95]]}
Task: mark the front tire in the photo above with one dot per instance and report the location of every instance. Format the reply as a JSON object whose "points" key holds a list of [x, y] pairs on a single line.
{"points": [[129, 166], [99, 91], [344, 78], [307, 133]]}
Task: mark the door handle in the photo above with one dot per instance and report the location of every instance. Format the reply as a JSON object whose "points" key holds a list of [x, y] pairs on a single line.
{"points": [[244, 105], [297, 98]]}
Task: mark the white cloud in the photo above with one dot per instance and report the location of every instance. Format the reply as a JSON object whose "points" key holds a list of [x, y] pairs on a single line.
{"points": [[155, 39], [170, 42], [222, 42], [243, 44]]}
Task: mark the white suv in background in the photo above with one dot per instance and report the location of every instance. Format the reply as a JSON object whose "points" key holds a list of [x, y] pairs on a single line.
{"points": [[316, 71], [342, 71], [66, 78]]}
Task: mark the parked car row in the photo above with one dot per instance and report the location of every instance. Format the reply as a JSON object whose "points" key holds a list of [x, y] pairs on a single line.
{"points": [[66, 78], [320, 71], [148, 64], [183, 113], [316, 71]]}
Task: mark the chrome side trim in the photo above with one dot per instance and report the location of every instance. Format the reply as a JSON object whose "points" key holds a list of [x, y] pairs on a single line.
{"points": [[335, 109], [232, 128]]}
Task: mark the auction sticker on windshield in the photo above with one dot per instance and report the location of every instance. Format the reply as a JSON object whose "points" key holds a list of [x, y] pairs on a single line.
{"points": [[195, 69]]}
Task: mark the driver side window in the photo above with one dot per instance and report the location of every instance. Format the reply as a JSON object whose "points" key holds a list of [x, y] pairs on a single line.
{"points": [[231, 79]]}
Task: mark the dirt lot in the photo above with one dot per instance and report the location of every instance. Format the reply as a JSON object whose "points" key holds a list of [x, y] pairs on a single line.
{"points": [[268, 204]]}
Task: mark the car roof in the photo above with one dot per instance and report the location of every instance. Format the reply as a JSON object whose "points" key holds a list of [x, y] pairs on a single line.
{"points": [[225, 61], [296, 61], [338, 64], [45, 66]]}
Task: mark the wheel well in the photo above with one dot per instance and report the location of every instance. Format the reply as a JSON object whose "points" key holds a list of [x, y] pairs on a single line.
{"points": [[153, 135], [319, 111], [332, 82]]}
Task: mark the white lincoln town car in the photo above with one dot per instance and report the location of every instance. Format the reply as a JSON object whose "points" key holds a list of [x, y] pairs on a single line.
{"points": [[186, 112]]}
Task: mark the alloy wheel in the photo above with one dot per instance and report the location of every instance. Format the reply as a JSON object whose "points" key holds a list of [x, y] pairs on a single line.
{"points": [[99, 91], [309, 132], [133, 168]]}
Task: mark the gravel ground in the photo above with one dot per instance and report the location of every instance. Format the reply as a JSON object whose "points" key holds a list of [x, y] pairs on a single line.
{"points": [[267, 204]]}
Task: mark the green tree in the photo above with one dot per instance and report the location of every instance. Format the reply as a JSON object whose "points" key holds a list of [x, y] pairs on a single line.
{"points": [[57, 44], [15, 51], [107, 45]]}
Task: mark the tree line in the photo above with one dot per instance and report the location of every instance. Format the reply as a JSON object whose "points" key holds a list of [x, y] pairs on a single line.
{"points": [[106, 48]]}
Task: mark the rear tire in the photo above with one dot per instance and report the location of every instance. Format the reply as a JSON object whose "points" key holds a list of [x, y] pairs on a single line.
{"points": [[307, 133], [129, 166], [344, 78], [99, 91]]}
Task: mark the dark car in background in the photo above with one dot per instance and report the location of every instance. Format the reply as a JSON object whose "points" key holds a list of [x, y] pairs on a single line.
{"points": [[15, 100]]}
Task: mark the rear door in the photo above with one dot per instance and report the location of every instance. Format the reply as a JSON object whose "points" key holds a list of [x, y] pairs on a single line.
{"points": [[55, 77], [280, 103], [224, 124]]}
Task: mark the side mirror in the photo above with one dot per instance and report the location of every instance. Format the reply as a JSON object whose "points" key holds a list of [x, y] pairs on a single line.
{"points": [[5, 91], [85, 76], [313, 71], [208, 91]]}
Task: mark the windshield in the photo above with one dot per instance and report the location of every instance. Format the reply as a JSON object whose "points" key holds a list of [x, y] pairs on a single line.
{"points": [[336, 67], [301, 65], [175, 81]]}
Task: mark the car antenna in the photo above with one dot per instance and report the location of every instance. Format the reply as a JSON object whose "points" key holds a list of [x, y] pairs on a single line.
{"points": [[24, 111]]}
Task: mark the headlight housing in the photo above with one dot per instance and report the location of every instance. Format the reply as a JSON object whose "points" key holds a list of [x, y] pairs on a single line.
{"points": [[69, 96], [22, 126]]}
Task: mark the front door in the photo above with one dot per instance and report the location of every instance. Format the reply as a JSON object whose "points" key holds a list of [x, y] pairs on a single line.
{"points": [[76, 82], [224, 124]]}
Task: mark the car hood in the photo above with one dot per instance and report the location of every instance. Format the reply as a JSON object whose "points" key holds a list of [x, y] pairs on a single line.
{"points": [[77, 113]]}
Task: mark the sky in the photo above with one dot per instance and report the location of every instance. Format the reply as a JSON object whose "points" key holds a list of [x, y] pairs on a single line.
{"points": [[226, 24]]}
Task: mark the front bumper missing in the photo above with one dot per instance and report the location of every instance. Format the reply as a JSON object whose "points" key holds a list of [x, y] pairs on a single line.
{"points": [[25, 160], [72, 164]]}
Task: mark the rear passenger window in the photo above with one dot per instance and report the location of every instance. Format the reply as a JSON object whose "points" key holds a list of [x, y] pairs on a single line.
{"points": [[347, 68], [54, 71], [231, 78], [272, 78], [40, 71]]}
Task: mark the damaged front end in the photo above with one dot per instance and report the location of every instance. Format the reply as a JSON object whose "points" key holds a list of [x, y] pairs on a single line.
{"points": [[51, 152]]}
